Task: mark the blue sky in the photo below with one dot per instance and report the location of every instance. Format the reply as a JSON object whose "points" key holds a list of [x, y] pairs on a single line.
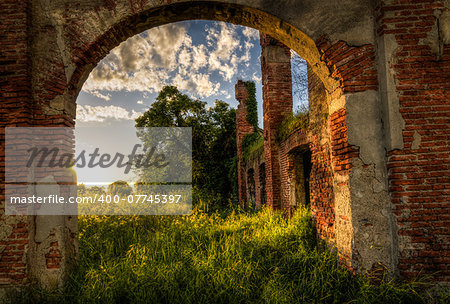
{"points": [[204, 59]]}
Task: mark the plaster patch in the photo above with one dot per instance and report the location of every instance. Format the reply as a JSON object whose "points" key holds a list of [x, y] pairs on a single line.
{"points": [[364, 126], [417, 139], [433, 38], [370, 209], [337, 104], [444, 27], [392, 118]]}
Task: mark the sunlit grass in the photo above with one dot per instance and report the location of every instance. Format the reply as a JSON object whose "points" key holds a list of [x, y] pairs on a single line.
{"points": [[243, 257]]}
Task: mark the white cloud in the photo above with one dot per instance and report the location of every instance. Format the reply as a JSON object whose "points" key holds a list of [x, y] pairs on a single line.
{"points": [[200, 57], [97, 94], [185, 57], [251, 33], [226, 94], [256, 77], [226, 42], [198, 84], [166, 55], [101, 113], [141, 63]]}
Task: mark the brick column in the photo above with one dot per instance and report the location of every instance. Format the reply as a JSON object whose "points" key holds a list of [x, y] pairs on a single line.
{"points": [[277, 95], [16, 110], [243, 127]]}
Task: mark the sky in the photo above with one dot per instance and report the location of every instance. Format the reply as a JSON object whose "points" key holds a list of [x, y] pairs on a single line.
{"points": [[204, 59]]}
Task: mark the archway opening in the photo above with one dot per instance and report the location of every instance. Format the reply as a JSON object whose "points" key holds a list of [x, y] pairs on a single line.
{"points": [[86, 60], [124, 71]]}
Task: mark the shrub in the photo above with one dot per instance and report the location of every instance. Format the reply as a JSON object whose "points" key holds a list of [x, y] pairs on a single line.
{"points": [[299, 120], [252, 146], [251, 105]]}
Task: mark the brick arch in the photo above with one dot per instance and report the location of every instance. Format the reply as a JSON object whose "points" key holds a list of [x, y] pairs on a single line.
{"points": [[86, 54], [82, 45]]}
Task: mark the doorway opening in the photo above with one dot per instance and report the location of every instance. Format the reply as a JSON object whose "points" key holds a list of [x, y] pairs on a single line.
{"points": [[300, 174]]}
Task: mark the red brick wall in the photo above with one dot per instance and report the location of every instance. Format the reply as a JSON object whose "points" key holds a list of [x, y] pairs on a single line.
{"points": [[243, 127], [342, 151], [19, 109], [353, 66], [297, 140], [16, 109], [321, 179], [253, 164], [419, 180], [277, 103], [355, 69], [53, 256]]}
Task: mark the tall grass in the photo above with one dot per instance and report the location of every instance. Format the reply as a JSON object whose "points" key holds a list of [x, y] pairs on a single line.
{"points": [[242, 257]]}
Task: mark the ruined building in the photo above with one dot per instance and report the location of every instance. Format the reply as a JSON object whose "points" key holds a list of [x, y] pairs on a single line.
{"points": [[375, 154]]}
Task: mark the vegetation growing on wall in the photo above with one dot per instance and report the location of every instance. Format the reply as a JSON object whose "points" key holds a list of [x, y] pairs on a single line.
{"points": [[298, 120], [251, 104], [319, 116], [252, 146], [253, 143]]}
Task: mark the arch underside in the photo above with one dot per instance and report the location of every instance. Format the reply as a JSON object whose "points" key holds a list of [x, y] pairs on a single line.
{"points": [[199, 10]]}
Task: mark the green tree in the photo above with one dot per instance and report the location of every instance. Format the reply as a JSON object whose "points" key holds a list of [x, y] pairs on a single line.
{"points": [[213, 140], [84, 191], [121, 188]]}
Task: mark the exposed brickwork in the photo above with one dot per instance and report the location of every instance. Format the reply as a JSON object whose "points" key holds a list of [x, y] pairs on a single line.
{"points": [[16, 110], [297, 141], [12, 258], [53, 257], [321, 179], [321, 185], [353, 66], [243, 127], [259, 200], [312, 138], [342, 151], [419, 180], [277, 103]]}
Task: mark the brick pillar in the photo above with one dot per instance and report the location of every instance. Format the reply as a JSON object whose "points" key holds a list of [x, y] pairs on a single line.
{"points": [[277, 95], [16, 110], [243, 127]]}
